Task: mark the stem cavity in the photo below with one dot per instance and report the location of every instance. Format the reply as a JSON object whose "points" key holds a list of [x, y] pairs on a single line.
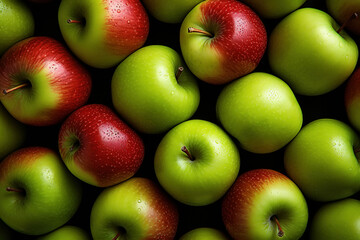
{"points": [[185, 150]]}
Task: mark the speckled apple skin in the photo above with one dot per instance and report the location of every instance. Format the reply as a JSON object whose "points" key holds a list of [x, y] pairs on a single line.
{"points": [[59, 83], [236, 48], [352, 99], [139, 206], [98, 147], [255, 197]]}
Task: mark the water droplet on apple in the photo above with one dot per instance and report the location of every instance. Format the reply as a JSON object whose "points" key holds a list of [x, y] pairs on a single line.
{"points": [[340, 44], [172, 92], [128, 21], [119, 11], [139, 201]]}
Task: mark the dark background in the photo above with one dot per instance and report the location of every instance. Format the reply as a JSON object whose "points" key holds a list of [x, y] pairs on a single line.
{"points": [[330, 105]]}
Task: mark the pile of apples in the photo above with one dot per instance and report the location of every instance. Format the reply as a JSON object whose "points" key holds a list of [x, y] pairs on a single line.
{"points": [[159, 119]]}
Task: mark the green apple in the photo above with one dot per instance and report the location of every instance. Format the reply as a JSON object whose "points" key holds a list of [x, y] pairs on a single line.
{"points": [[274, 8], [264, 204], [337, 220], [16, 21], [134, 209], [66, 232], [13, 133], [260, 111], [346, 12], [170, 11], [307, 52], [204, 233], [196, 162], [5, 232], [153, 90], [323, 160], [37, 192]]}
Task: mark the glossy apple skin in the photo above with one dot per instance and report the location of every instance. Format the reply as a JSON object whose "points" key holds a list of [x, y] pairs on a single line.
{"points": [[207, 177], [52, 195], [59, 83], [322, 160], [352, 99], [257, 196], [138, 208], [236, 48], [342, 10], [337, 220], [260, 111], [305, 45], [204, 233], [66, 232], [13, 133], [147, 94], [170, 11], [98, 147], [111, 29], [17, 23], [274, 8]]}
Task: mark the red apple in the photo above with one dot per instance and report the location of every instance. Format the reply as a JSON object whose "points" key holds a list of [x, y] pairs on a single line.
{"points": [[98, 147], [41, 82], [352, 99], [222, 40]]}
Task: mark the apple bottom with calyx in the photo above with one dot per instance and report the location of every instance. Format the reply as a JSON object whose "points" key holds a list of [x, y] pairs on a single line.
{"points": [[37, 192], [264, 204], [204, 233], [337, 220], [66, 232], [135, 209]]}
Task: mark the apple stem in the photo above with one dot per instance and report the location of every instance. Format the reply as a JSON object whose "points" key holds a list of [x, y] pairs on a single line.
{"points": [[10, 189], [281, 232], [179, 72], [355, 15], [6, 91], [73, 21], [185, 150], [195, 30], [117, 236]]}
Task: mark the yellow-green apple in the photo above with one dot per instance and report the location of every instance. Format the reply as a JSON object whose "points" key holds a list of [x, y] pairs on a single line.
{"points": [[98, 147], [204, 233], [170, 11], [134, 209], [41, 82], [13, 133], [260, 111], [274, 8], [346, 12], [103, 32], [305, 45], [323, 160], [336, 220], [352, 99], [37, 193], [264, 204], [196, 162], [222, 40], [5, 231], [66, 232], [153, 90], [16, 21]]}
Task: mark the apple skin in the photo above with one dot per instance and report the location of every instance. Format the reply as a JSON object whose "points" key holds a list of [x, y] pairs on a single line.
{"points": [[49, 195], [59, 84], [305, 45], [255, 198], [342, 10], [337, 220], [170, 11], [109, 30], [66, 232], [16, 21], [322, 160], [352, 99], [98, 147], [205, 178], [274, 8], [260, 111], [136, 209], [147, 93], [204, 233], [13, 133], [236, 48]]}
